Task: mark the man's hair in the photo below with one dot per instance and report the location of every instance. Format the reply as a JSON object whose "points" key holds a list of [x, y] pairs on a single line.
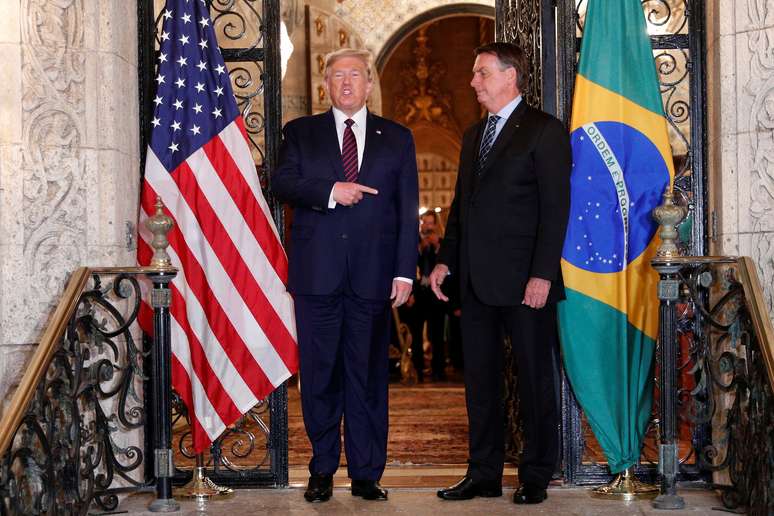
{"points": [[508, 56], [364, 55], [430, 213], [436, 218]]}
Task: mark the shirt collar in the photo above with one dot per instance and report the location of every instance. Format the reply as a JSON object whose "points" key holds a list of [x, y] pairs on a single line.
{"points": [[507, 110], [359, 117]]}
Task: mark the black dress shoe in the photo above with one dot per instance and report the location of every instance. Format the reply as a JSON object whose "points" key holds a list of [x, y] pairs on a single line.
{"points": [[467, 488], [319, 489], [527, 494], [368, 490]]}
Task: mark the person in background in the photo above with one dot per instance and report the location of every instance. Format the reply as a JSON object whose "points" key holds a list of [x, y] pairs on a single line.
{"points": [[427, 308]]}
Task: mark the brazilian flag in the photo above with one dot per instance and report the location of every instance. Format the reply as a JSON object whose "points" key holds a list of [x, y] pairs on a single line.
{"points": [[622, 163]]}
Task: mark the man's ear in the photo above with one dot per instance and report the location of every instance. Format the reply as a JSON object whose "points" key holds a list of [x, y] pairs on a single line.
{"points": [[326, 88], [514, 75]]}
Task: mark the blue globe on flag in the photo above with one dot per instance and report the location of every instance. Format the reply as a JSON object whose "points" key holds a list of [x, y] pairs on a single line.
{"points": [[617, 179]]}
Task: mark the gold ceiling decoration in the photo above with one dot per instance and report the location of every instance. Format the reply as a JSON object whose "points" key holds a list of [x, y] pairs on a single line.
{"points": [[426, 100]]}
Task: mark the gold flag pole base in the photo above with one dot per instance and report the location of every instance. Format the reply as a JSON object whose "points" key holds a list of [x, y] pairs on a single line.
{"points": [[626, 487], [201, 487]]}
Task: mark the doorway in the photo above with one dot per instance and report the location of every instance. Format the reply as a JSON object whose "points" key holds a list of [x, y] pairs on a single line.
{"points": [[423, 74]]}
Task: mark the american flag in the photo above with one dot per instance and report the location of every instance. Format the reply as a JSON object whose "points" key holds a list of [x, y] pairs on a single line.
{"points": [[233, 330]]}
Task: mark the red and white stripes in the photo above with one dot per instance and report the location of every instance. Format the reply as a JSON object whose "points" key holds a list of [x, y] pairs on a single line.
{"points": [[233, 329]]}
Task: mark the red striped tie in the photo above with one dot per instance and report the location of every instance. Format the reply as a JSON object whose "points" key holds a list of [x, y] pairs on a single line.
{"points": [[349, 152]]}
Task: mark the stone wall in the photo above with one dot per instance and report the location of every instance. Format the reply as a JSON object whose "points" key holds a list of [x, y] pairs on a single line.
{"points": [[741, 130], [69, 156]]}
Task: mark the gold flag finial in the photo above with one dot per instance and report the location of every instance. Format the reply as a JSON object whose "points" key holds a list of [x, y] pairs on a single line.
{"points": [[160, 225], [669, 215]]}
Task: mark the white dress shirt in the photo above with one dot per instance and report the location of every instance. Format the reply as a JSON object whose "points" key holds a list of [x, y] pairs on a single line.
{"points": [[504, 114], [359, 129]]}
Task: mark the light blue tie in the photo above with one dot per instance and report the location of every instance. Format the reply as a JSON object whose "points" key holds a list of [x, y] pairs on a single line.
{"points": [[486, 142]]}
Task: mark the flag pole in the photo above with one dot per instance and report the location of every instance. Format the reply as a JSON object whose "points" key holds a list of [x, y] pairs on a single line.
{"points": [[161, 273], [668, 215]]}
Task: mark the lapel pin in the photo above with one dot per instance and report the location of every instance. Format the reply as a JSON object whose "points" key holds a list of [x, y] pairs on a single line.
{"points": [[378, 131]]}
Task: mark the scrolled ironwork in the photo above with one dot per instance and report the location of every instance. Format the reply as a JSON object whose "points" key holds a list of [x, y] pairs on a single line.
{"points": [[662, 16], [71, 445], [241, 449], [728, 387], [248, 86], [238, 23], [519, 21], [657, 12]]}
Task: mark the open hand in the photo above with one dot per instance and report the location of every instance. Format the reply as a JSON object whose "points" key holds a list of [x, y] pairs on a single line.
{"points": [[439, 274]]}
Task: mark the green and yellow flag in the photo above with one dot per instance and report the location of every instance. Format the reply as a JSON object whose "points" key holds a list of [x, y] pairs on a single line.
{"points": [[622, 163]]}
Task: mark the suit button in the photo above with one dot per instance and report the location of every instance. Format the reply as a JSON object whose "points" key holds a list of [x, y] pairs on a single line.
{"points": [[344, 236]]}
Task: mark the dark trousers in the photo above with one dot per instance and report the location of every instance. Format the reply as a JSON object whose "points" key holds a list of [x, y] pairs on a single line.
{"points": [[534, 339], [428, 308], [343, 345], [455, 341]]}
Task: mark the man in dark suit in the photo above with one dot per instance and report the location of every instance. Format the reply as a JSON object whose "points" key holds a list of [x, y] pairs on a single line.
{"points": [[351, 177], [504, 240]]}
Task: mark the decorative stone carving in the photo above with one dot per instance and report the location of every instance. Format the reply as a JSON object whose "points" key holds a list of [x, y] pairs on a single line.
{"points": [[53, 75], [758, 145]]}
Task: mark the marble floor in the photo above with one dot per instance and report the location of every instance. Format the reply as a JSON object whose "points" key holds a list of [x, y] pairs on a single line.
{"points": [[422, 501]]}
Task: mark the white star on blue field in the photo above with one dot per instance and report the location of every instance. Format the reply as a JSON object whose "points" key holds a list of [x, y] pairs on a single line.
{"points": [[595, 232]]}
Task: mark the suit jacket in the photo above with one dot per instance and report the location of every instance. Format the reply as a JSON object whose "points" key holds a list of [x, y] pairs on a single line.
{"points": [[508, 223], [369, 243]]}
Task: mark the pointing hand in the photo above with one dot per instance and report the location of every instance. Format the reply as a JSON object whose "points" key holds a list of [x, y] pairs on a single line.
{"points": [[348, 194]]}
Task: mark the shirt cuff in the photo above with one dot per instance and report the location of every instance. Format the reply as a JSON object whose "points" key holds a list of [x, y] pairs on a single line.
{"points": [[331, 202], [404, 280]]}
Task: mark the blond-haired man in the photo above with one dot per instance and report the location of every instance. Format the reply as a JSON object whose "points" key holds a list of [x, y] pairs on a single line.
{"points": [[351, 178]]}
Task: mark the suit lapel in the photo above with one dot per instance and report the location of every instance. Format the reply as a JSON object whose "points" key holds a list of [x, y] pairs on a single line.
{"points": [[504, 138], [373, 134], [331, 143]]}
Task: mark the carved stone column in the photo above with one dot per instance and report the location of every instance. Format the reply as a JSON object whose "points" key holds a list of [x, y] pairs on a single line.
{"points": [[69, 158], [740, 91]]}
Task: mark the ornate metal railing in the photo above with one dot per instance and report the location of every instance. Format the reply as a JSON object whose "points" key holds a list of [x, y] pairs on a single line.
{"points": [[74, 433], [717, 362]]}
